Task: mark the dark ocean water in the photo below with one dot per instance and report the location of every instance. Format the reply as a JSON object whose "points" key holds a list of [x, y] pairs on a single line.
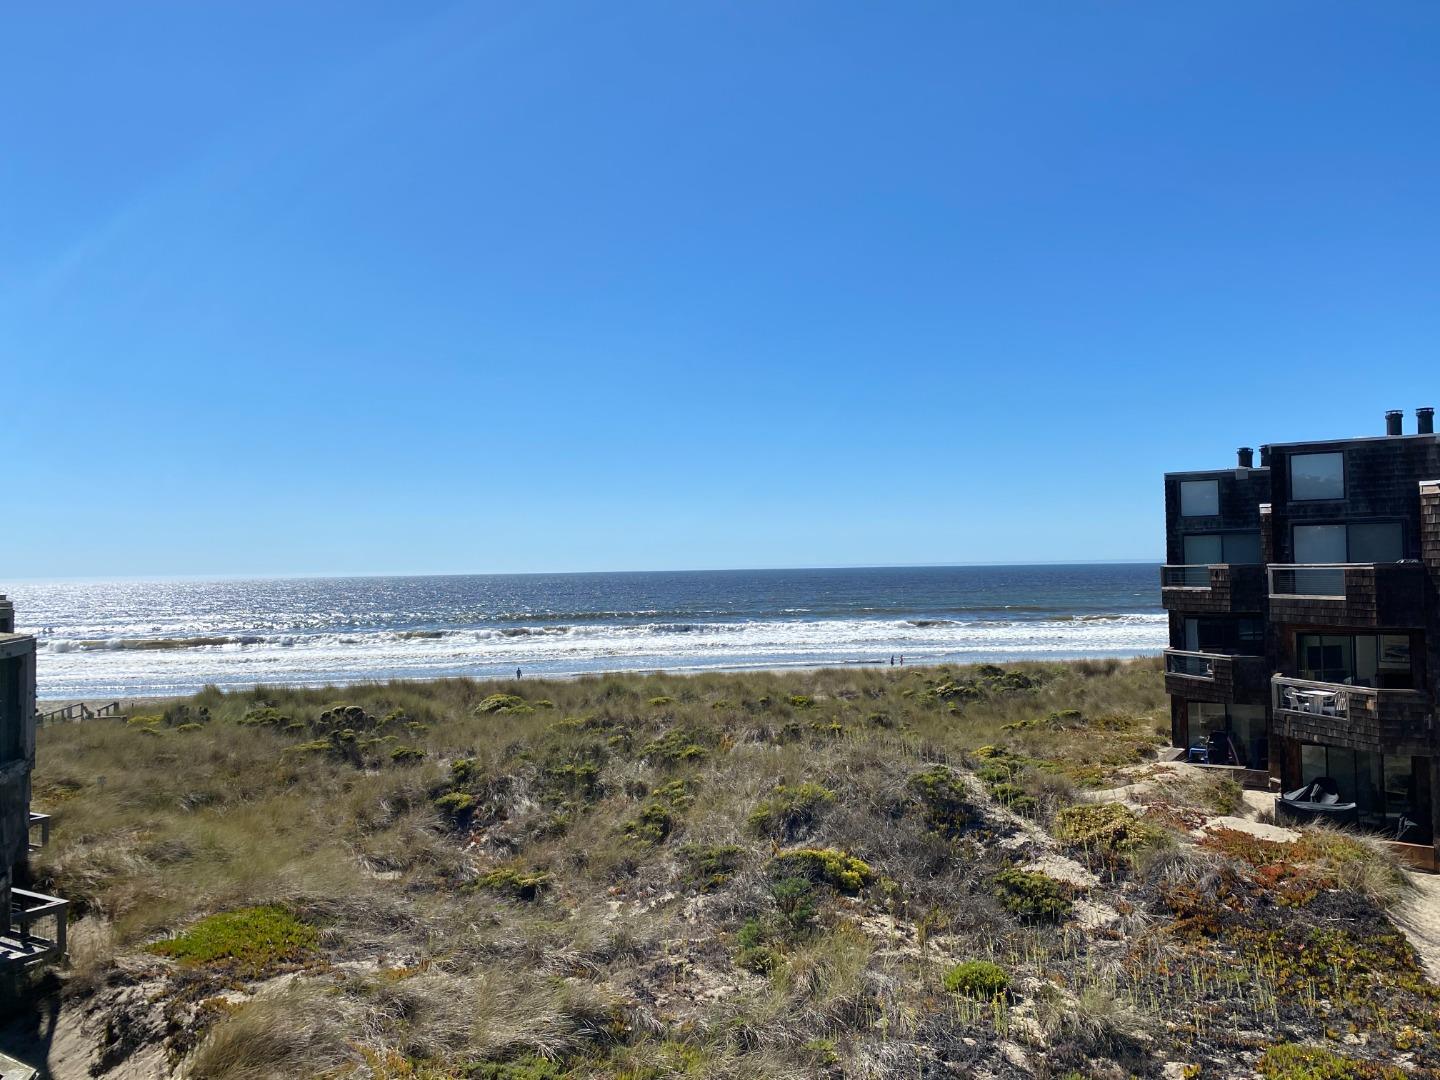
{"points": [[133, 638]]}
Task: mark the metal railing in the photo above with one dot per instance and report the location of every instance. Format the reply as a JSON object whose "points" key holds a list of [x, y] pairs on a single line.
{"points": [[24, 945], [1318, 581], [1194, 576], [1196, 665], [42, 821], [1315, 698]]}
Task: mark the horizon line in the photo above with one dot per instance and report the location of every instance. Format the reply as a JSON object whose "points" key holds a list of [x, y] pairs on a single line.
{"points": [[306, 575]]}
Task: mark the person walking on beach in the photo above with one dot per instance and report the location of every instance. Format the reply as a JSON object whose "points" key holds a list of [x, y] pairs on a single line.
{"points": [[892, 659], [517, 674]]}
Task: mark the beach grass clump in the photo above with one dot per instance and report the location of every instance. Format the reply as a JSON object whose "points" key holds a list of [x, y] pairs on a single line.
{"points": [[252, 940], [712, 865], [503, 705]]}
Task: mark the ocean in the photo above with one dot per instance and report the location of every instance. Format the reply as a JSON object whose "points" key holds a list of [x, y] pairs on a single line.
{"points": [[139, 638]]}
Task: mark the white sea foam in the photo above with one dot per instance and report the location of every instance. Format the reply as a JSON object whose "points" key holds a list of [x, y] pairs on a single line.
{"points": [[81, 666]]}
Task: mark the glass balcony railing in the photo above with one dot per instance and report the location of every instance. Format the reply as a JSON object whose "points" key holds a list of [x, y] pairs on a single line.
{"points": [[1197, 665], [1185, 577], [1315, 581]]}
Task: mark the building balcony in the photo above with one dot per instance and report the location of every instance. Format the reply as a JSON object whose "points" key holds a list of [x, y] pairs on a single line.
{"points": [[1387, 595], [1224, 678], [36, 932], [1219, 588], [1360, 717]]}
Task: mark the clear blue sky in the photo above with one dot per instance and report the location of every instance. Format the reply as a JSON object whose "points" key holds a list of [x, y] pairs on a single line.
{"points": [[373, 287]]}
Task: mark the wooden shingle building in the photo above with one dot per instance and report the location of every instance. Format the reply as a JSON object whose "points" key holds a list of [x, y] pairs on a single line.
{"points": [[1305, 626], [32, 926]]}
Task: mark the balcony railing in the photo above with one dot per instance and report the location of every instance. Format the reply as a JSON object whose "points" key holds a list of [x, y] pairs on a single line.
{"points": [[1363, 717], [1190, 576], [1314, 581], [1196, 665], [42, 823], [23, 945], [1349, 594]]}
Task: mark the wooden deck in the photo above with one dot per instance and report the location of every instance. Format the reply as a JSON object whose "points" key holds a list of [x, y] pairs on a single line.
{"points": [[37, 930]]}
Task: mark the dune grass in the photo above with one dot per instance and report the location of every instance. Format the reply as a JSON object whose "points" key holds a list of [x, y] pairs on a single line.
{"points": [[647, 876]]}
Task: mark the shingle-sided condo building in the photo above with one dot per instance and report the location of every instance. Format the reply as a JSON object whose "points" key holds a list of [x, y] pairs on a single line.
{"points": [[1305, 626]]}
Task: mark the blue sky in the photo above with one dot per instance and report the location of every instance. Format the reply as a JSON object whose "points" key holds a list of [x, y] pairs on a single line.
{"points": [[375, 287]]}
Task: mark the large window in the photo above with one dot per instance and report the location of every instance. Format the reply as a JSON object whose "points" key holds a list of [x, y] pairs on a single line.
{"points": [[1225, 634], [1231, 734], [1372, 542], [1199, 498], [1382, 786], [1317, 476], [1378, 660], [1236, 548]]}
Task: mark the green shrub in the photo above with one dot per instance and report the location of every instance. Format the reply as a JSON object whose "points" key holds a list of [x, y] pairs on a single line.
{"points": [[1109, 832], [944, 799], [837, 869], [712, 866], [406, 755], [1031, 895], [251, 940], [503, 704], [801, 701], [657, 819], [661, 700], [521, 884], [529, 1067], [754, 949], [978, 979], [788, 810], [676, 744], [455, 804]]}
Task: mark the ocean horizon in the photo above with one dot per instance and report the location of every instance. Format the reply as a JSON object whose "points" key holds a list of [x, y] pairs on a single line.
{"points": [[154, 637]]}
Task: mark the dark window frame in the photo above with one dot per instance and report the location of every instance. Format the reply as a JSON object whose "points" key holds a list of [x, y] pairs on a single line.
{"points": [[1345, 523]]}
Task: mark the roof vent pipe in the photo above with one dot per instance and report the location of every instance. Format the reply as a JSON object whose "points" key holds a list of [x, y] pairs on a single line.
{"points": [[1245, 457], [1264, 457], [1425, 421], [1392, 421]]}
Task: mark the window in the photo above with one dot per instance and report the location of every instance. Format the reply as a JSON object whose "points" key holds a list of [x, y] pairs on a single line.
{"points": [[1231, 734], [1380, 542], [1225, 634], [1320, 544], [1317, 476], [1372, 542], [1237, 548], [1381, 785], [10, 711], [1199, 498], [1377, 660]]}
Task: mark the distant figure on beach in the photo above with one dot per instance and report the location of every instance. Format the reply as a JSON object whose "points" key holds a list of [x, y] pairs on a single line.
{"points": [[892, 659], [902, 659], [517, 674]]}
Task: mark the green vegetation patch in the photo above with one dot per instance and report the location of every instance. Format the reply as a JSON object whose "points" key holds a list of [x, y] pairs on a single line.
{"points": [[1032, 896], [977, 979], [943, 799], [677, 744], [657, 818], [512, 881], [789, 811], [841, 871], [1108, 832], [503, 705], [1292, 1061], [712, 865], [252, 940]]}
